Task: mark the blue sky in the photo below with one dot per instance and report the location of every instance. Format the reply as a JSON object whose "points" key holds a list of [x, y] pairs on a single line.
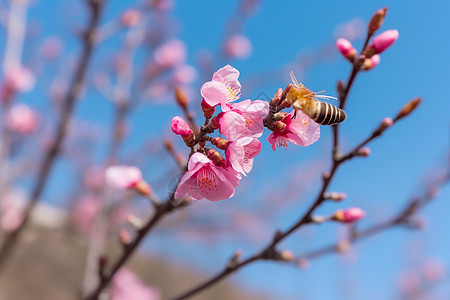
{"points": [[416, 65]]}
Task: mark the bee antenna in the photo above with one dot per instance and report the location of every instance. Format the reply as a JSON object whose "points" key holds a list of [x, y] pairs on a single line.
{"points": [[294, 79]]}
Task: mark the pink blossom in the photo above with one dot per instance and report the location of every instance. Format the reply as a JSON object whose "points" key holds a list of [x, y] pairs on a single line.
{"points": [[301, 131], [238, 46], [243, 119], [19, 79], [123, 177], [11, 208], [170, 54], [94, 178], [240, 153], [126, 285], [130, 17], [21, 119], [51, 47], [86, 209], [184, 74], [384, 40], [349, 215], [180, 127], [204, 179], [163, 4], [223, 88]]}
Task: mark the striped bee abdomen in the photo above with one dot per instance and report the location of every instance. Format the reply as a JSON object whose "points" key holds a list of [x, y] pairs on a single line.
{"points": [[328, 114]]}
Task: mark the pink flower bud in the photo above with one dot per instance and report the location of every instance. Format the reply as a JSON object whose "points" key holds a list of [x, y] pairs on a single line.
{"points": [[286, 255], [370, 63], [180, 127], [345, 47], [383, 41], [365, 152], [238, 46], [349, 215], [123, 177], [387, 122]]}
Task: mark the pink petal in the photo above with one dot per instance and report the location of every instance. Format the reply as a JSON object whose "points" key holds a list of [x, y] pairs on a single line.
{"points": [[214, 185], [214, 92], [305, 131], [188, 186], [227, 74], [231, 124]]}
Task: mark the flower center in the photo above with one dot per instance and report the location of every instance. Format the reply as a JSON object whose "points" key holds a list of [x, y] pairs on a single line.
{"points": [[232, 93], [281, 141], [207, 180]]}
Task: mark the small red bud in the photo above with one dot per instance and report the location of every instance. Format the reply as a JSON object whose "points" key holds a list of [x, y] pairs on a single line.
{"points": [[142, 188], [208, 110], [279, 126], [181, 98], [408, 108], [286, 255], [220, 143], [215, 156], [377, 20], [364, 152]]}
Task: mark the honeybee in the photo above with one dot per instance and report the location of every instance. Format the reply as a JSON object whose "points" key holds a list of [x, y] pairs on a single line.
{"points": [[302, 98]]}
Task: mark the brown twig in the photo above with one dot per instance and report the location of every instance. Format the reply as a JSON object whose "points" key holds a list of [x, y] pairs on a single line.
{"points": [[129, 249], [52, 153], [401, 218]]}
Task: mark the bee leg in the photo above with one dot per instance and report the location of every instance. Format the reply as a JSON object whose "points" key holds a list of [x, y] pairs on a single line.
{"points": [[295, 115]]}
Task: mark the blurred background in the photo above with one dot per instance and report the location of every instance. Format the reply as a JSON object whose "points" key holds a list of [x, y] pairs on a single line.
{"points": [[147, 48]]}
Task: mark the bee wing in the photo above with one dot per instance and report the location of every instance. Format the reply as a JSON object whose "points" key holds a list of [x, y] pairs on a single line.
{"points": [[323, 97], [294, 79]]}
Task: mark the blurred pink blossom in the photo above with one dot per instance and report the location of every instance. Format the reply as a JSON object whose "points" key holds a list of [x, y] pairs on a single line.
{"points": [[51, 47], [433, 270], [123, 177], [21, 119], [223, 88], [206, 180], [184, 74], [19, 79], [94, 178], [86, 209], [240, 153], [126, 285], [351, 30], [11, 210], [180, 127], [238, 46], [244, 118], [301, 131], [130, 17], [170, 54], [163, 4]]}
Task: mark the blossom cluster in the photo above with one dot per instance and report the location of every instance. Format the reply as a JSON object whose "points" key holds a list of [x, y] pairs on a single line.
{"points": [[214, 176], [369, 57]]}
